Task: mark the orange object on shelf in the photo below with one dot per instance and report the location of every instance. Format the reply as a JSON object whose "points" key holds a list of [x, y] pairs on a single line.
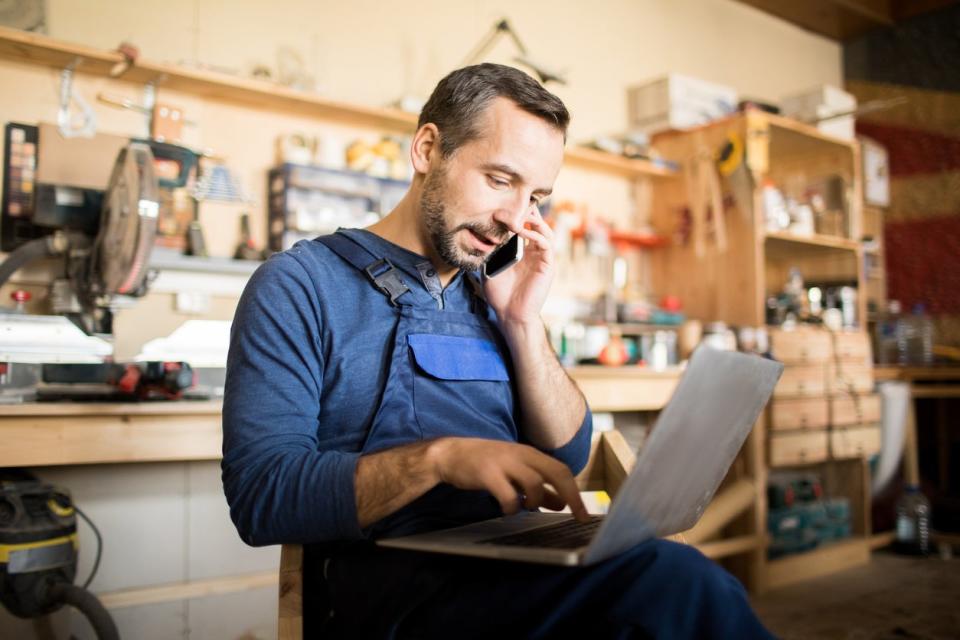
{"points": [[630, 239]]}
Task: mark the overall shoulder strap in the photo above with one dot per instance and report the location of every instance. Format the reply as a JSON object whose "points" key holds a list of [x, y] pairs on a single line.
{"points": [[381, 272], [479, 299]]}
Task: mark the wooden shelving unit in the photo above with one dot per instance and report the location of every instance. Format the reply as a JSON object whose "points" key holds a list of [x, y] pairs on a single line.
{"points": [[31, 48], [732, 285]]}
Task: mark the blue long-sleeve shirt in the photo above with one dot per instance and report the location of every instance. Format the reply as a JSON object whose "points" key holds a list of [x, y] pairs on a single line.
{"points": [[309, 355]]}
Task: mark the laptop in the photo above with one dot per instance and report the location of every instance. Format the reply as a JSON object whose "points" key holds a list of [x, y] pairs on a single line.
{"points": [[692, 445]]}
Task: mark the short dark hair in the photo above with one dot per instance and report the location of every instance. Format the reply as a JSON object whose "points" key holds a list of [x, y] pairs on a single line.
{"points": [[461, 97]]}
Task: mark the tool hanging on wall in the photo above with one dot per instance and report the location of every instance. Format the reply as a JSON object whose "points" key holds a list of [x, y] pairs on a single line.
{"points": [[82, 123], [705, 198], [731, 161]]}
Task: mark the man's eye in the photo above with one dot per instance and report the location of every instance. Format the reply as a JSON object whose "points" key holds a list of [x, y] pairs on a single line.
{"points": [[499, 183]]}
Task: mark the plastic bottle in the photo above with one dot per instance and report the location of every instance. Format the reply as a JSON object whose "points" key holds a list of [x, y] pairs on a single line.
{"points": [[887, 349], [913, 522], [915, 337]]}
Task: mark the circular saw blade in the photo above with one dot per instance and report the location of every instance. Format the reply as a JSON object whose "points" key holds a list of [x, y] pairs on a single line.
{"points": [[128, 224]]}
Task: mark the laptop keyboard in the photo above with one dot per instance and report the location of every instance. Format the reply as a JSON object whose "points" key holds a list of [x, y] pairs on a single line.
{"points": [[569, 534]]}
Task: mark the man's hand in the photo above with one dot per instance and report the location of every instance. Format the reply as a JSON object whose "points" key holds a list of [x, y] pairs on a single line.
{"points": [[389, 480], [518, 294], [509, 471]]}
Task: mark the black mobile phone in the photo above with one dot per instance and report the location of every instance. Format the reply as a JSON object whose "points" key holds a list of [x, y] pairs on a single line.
{"points": [[504, 257]]}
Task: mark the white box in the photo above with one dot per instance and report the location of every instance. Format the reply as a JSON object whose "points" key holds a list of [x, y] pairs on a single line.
{"points": [[677, 102], [876, 172], [822, 101]]}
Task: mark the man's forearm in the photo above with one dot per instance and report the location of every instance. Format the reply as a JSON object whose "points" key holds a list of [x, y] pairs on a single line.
{"points": [[551, 403], [389, 480]]}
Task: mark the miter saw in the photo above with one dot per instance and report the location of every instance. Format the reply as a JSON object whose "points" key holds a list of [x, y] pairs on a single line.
{"points": [[40, 353]]}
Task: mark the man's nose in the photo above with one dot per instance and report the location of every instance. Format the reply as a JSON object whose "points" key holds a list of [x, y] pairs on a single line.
{"points": [[516, 209]]}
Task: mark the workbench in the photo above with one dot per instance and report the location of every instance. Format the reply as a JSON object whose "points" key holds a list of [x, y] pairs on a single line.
{"points": [[62, 433], [935, 382]]}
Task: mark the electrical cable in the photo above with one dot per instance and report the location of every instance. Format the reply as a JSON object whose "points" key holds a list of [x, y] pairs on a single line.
{"points": [[96, 532]]}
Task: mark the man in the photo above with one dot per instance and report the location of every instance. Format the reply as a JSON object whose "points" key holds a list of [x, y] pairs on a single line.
{"points": [[376, 387]]}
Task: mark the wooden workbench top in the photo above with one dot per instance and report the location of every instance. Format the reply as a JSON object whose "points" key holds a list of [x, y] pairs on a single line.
{"points": [[59, 433], [175, 407], [911, 374]]}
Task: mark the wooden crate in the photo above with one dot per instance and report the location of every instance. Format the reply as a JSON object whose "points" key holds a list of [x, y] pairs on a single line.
{"points": [[800, 346], [803, 380], [861, 441], [853, 345], [848, 409], [799, 413], [797, 447], [852, 377]]}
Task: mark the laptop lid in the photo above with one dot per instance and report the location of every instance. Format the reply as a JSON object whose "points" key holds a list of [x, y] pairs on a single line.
{"points": [[692, 445]]}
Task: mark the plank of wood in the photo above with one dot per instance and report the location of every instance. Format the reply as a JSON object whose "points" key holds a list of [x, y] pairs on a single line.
{"points": [[187, 590], [290, 608], [818, 562], [618, 460], [725, 506], [611, 391], [178, 407], [881, 540], [45, 440], [729, 546]]}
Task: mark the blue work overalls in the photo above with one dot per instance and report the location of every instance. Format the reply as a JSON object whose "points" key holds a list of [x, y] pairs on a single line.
{"points": [[450, 375]]}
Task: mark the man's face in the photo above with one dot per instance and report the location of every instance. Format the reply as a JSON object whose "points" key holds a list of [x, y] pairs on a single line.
{"points": [[469, 197]]}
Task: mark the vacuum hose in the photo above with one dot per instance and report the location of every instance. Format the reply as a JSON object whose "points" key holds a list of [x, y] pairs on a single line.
{"points": [[38, 248], [88, 605]]}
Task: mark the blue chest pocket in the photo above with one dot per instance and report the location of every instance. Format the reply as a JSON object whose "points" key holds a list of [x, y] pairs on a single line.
{"points": [[461, 387]]}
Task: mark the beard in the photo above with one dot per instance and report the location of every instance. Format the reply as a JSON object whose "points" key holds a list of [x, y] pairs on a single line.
{"points": [[443, 238]]}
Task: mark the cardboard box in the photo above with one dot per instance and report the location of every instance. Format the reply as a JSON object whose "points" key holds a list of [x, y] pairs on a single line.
{"points": [[678, 102], [820, 102]]}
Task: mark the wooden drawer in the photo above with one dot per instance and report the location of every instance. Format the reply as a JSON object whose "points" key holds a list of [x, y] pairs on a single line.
{"points": [[846, 410], [802, 346], [857, 378], [799, 413], [860, 441], [853, 345], [797, 448], [808, 380]]}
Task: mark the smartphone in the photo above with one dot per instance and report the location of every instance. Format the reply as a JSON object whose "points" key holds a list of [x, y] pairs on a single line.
{"points": [[504, 257]]}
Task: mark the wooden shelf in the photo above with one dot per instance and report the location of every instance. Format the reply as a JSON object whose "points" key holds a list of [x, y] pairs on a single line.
{"points": [[792, 137], [822, 561], [730, 546], [814, 241], [32, 48], [586, 158], [628, 388]]}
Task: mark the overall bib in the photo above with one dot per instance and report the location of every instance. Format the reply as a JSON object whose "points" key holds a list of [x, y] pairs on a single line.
{"points": [[449, 375]]}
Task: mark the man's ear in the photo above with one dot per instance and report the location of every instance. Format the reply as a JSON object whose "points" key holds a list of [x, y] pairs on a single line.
{"points": [[425, 147]]}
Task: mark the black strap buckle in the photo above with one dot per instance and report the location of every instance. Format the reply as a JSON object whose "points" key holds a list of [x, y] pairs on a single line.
{"points": [[387, 278]]}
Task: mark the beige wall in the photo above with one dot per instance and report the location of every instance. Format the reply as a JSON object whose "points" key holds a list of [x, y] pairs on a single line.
{"points": [[374, 52]]}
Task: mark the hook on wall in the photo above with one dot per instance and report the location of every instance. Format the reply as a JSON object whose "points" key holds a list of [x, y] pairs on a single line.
{"points": [[83, 121]]}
